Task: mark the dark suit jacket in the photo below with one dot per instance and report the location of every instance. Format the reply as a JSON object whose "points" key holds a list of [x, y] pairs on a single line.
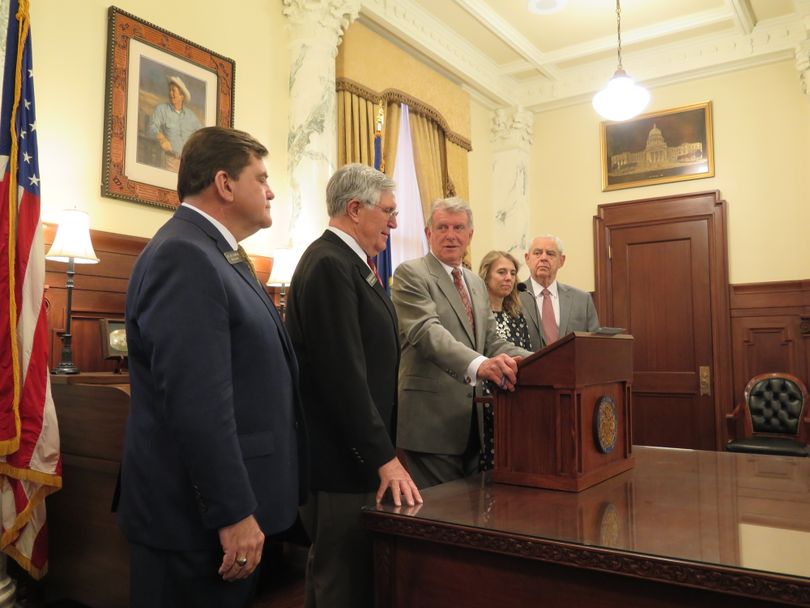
{"points": [[577, 312], [212, 435], [343, 327], [438, 344]]}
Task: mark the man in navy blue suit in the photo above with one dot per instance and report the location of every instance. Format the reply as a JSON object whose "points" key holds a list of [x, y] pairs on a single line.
{"points": [[212, 455]]}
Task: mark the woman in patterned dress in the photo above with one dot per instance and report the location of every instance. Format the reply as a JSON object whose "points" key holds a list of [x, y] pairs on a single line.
{"points": [[499, 271]]}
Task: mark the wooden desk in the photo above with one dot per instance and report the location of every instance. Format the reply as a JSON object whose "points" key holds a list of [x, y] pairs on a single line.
{"points": [[89, 556], [683, 528]]}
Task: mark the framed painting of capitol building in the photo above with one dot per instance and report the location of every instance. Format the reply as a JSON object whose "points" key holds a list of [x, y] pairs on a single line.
{"points": [[657, 148]]}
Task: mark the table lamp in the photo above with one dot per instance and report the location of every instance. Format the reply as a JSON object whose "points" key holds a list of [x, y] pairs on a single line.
{"points": [[72, 246], [284, 262]]}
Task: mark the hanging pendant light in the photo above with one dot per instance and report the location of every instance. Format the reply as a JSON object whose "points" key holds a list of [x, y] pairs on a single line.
{"points": [[621, 98]]}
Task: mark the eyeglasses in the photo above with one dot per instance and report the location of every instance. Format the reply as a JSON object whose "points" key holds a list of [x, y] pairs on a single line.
{"points": [[391, 213]]}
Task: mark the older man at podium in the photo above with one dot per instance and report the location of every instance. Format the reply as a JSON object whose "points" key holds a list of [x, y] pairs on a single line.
{"points": [[552, 309], [449, 344]]}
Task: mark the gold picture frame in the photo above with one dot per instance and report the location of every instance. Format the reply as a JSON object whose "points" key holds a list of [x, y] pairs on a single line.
{"points": [[658, 148], [108, 327], [146, 67]]}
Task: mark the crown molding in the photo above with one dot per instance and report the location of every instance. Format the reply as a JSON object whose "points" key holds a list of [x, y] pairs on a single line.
{"points": [[743, 15], [510, 36], [442, 45], [495, 85]]}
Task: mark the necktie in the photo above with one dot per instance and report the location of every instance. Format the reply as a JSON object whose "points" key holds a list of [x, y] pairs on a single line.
{"points": [[246, 259], [373, 265], [550, 330], [465, 299]]}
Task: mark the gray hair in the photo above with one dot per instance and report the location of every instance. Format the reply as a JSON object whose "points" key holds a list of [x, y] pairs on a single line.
{"points": [[454, 204], [355, 181], [557, 241]]}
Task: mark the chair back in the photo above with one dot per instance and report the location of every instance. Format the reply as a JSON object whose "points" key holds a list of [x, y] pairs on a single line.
{"points": [[776, 403]]}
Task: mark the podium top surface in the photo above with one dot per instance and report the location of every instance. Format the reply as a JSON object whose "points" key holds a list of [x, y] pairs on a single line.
{"points": [[580, 358]]}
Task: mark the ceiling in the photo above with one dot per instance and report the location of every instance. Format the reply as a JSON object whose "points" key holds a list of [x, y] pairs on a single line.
{"points": [[505, 55]]}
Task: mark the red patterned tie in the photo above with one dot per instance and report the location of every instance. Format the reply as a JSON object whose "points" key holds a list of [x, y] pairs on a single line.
{"points": [[465, 298], [550, 330], [373, 265]]}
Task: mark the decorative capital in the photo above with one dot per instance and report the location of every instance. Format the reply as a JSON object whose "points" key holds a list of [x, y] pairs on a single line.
{"points": [[512, 127], [323, 20]]}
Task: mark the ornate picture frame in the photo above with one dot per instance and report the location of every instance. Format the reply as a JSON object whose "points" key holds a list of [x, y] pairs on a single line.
{"points": [[159, 89], [658, 148]]}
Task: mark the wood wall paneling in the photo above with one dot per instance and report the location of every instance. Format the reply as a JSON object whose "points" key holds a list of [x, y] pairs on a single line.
{"points": [[99, 293], [770, 328]]}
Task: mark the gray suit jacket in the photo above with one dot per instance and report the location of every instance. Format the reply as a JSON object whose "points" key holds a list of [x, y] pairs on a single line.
{"points": [[577, 312], [438, 344]]}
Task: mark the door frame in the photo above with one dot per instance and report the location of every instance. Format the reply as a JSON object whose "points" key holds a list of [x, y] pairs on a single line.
{"points": [[706, 205]]}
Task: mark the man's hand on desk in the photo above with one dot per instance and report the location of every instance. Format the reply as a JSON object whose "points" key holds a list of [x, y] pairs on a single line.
{"points": [[394, 477]]}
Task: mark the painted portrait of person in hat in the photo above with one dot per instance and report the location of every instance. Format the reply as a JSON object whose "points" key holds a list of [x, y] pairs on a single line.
{"points": [[173, 123]]}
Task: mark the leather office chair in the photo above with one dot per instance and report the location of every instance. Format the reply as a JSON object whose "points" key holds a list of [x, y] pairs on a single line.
{"points": [[773, 417]]}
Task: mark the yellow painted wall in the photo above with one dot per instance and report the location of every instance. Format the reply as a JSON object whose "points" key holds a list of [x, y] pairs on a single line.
{"points": [[762, 169], [481, 195], [70, 49]]}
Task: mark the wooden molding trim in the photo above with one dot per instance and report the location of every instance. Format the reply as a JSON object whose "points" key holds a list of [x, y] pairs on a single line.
{"points": [[771, 296], [752, 584]]}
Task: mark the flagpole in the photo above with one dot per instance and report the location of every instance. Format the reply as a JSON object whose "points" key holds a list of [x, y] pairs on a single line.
{"points": [[8, 590]]}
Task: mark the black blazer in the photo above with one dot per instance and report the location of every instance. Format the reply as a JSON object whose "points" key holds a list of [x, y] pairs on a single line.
{"points": [[344, 330], [213, 433]]}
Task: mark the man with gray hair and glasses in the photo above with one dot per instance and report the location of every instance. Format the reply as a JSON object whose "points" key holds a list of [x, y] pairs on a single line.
{"points": [[344, 330]]}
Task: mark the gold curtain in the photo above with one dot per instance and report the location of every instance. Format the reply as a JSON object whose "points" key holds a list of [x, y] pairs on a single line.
{"points": [[429, 158], [440, 155], [355, 129], [393, 112], [457, 171]]}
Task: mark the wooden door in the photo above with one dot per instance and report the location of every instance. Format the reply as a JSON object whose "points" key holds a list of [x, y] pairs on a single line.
{"points": [[662, 274]]}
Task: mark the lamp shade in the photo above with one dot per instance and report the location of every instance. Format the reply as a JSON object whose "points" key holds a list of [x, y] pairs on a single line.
{"points": [[73, 239], [284, 263], [546, 7], [621, 99]]}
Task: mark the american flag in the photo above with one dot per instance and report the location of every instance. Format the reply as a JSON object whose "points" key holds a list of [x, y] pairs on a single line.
{"points": [[30, 464]]}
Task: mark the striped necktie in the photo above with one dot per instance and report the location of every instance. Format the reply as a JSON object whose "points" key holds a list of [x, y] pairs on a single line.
{"points": [[465, 298], [373, 265]]}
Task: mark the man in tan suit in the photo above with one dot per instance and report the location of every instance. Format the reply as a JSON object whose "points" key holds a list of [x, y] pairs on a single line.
{"points": [[449, 345]]}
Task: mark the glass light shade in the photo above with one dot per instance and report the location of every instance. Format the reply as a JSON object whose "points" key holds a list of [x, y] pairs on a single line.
{"points": [[621, 98], [284, 263], [73, 239], [546, 7]]}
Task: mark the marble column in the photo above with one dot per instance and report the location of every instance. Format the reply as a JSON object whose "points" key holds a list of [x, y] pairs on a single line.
{"points": [[315, 28], [512, 139], [803, 64]]}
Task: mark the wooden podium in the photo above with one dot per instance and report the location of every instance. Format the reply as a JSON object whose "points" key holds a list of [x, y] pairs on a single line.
{"points": [[567, 426]]}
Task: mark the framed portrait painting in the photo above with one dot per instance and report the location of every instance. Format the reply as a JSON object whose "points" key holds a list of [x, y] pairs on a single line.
{"points": [[160, 89], [657, 148]]}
